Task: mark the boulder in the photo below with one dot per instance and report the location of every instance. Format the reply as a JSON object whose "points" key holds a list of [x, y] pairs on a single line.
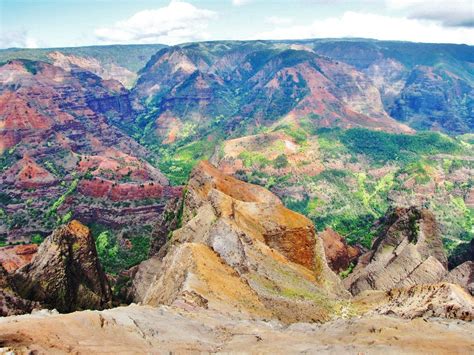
{"points": [[65, 273], [408, 251]]}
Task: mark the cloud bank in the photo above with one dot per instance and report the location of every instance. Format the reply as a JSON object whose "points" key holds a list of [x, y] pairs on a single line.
{"points": [[176, 23], [366, 25], [18, 39], [455, 13]]}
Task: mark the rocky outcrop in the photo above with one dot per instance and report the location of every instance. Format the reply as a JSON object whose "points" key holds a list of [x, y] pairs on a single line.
{"points": [[65, 273], [10, 303], [443, 300], [408, 251], [339, 254], [240, 250], [463, 275], [14, 257]]}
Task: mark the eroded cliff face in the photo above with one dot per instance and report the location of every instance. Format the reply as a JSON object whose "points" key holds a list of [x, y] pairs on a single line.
{"points": [[62, 155], [240, 250], [339, 254], [408, 251], [65, 273]]}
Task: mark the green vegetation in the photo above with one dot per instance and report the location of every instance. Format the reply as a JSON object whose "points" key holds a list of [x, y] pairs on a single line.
{"points": [[114, 257], [385, 147], [177, 162], [56, 204], [8, 158], [37, 239]]}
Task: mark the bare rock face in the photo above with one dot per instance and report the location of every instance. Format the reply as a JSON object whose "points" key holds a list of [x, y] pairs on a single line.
{"points": [[239, 250], [65, 273], [463, 275], [10, 303], [339, 254], [16, 256], [408, 251], [443, 300], [143, 330]]}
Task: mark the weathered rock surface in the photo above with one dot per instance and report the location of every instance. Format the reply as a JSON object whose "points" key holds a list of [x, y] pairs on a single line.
{"points": [[240, 250], [10, 303], [339, 254], [408, 251], [143, 329], [14, 257], [463, 275], [435, 300], [65, 273]]}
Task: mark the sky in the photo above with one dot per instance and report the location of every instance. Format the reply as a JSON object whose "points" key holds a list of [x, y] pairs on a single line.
{"points": [[68, 23]]}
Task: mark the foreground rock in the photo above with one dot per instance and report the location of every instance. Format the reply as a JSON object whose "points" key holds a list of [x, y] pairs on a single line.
{"points": [[442, 300], [142, 329], [65, 273], [408, 251], [239, 250]]}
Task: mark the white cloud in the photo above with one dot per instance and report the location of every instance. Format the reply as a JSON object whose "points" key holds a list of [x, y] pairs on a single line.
{"points": [[176, 23], [356, 24], [452, 13], [241, 2], [278, 21], [18, 39]]}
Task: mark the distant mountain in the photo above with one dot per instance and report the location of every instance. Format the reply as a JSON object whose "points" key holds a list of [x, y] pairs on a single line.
{"points": [[120, 62], [246, 85], [428, 86], [345, 83]]}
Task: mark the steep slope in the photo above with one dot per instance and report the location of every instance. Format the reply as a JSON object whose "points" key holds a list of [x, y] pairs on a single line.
{"points": [[63, 158], [240, 250], [348, 179]]}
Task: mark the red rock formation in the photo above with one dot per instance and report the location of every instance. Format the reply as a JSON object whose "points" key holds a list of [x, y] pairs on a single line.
{"points": [[27, 174], [101, 188], [339, 254], [15, 257]]}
